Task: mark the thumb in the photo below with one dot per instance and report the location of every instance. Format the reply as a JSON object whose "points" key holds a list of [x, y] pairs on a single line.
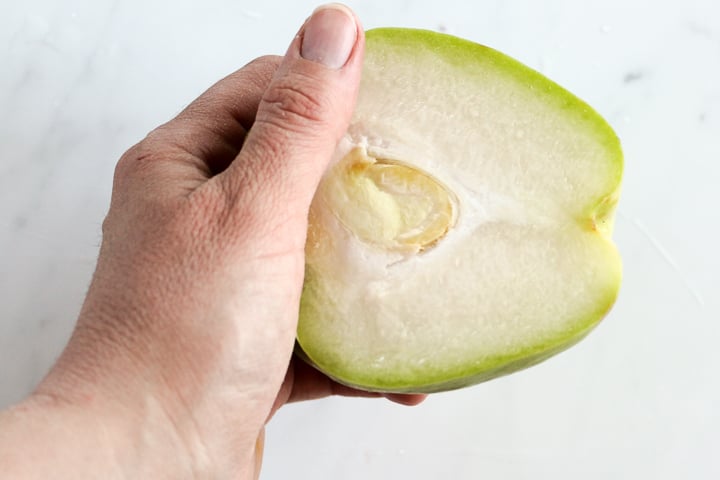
{"points": [[303, 114]]}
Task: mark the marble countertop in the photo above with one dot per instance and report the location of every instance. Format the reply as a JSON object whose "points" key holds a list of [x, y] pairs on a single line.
{"points": [[81, 81]]}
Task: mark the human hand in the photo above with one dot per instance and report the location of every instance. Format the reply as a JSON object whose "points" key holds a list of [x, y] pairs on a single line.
{"points": [[189, 324]]}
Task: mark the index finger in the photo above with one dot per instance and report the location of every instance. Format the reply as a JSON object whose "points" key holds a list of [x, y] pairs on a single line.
{"points": [[213, 127]]}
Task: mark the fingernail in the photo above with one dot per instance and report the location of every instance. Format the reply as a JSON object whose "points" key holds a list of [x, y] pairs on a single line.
{"points": [[329, 36]]}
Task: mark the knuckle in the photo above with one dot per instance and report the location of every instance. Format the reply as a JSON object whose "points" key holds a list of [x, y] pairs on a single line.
{"points": [[130, 166], [140, 158], [124, 168], [125, 165], [257, 74], [296, 99], [106, 227], [266, 63]]}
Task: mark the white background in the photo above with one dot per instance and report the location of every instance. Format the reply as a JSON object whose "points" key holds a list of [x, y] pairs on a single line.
{"points": [[80, 81]]}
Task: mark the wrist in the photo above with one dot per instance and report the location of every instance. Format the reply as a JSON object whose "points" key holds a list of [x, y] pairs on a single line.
{"points": [[44, 437], [98, 416], [139, 420], [110, 425], [47, 436]]}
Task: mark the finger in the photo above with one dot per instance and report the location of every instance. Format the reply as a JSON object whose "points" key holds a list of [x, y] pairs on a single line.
{"points": [[407, 399], [303, 114], [213, 127], [201, 141], [308, 383]]}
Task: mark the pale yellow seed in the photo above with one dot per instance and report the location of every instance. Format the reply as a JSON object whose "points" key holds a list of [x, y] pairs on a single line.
{"points": [[390, 204]]}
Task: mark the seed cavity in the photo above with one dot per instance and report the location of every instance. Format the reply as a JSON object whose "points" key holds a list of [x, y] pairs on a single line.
{"points": [[389, 204]]}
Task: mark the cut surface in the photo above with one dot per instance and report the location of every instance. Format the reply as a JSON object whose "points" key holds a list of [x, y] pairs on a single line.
{"points": [[387, 204], [463, 231]]}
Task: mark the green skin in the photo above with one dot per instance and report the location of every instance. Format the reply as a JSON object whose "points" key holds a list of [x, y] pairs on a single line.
{"points": [[598, 216]]}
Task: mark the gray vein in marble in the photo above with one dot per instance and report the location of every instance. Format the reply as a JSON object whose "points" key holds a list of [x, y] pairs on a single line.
{"points": [[669, 260], [55, 132]]}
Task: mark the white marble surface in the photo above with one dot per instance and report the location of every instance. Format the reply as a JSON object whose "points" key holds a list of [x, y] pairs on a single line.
{"points": [[80, 81]]}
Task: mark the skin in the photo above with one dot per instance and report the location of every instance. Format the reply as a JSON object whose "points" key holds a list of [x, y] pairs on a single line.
{"points": [[183, 348]]}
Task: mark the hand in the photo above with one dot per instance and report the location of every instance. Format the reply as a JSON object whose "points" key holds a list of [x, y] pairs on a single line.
{"points": [[188, 328]]}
